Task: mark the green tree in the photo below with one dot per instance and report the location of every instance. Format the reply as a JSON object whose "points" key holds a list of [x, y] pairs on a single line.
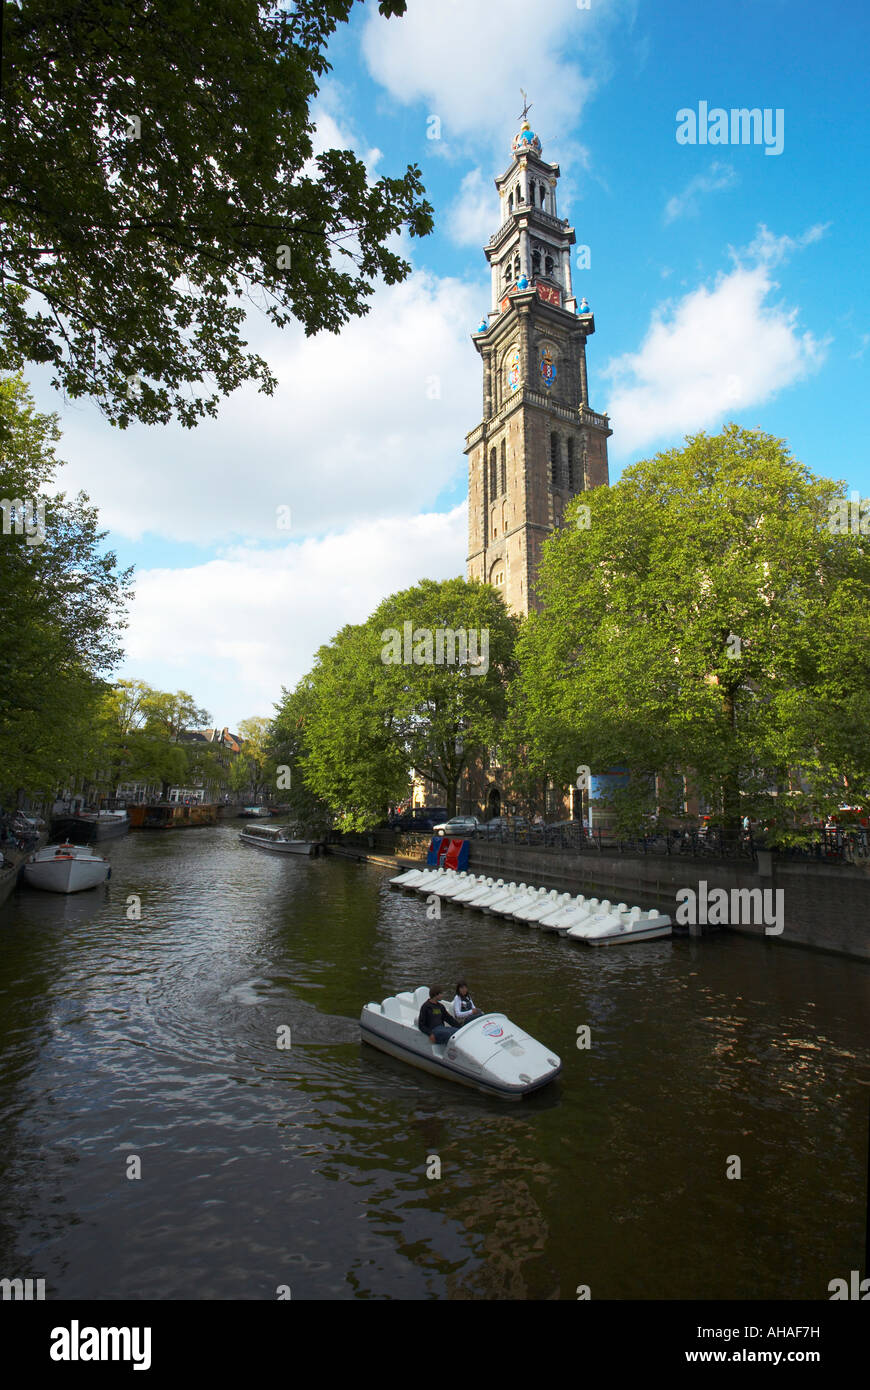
{"points": [[172, 713], [255, 766], [158, 178], [446, 713], [290, 750], [354, 761], [371, 717], [62, 609], [708, 621]]}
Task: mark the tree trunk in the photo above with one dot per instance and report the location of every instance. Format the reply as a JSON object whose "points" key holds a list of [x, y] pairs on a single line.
{"points": [[731, 817]]}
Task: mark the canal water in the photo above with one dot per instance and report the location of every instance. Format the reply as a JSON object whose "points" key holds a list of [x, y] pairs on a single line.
{"points": [[306, 1168]]}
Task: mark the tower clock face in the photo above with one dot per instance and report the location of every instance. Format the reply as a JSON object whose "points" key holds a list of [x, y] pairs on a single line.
{"points": [[512, 368]]}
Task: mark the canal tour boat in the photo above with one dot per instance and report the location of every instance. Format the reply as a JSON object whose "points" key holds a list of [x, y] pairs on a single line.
{"points": [[490, 1053], [274, 839], [66, 868]]}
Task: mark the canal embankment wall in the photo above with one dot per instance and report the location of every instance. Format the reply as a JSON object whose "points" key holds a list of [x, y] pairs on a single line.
{"points": [[824, 906], [14, 859]]}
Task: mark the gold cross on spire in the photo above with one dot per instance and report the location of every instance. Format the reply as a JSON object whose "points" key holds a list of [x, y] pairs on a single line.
{"points": [[527, 106]]}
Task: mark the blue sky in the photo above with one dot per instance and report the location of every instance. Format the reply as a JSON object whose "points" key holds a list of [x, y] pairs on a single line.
{"points": [[726, 284]]}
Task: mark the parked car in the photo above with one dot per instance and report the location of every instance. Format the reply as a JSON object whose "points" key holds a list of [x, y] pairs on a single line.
{"points": [[459, 825], [496, 826]]}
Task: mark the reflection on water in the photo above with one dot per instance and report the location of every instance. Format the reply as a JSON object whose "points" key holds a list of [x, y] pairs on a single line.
{"points": [[307, 1166]]}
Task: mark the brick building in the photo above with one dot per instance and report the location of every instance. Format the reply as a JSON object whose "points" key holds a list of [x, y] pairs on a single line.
{"points": [[539, 443]]}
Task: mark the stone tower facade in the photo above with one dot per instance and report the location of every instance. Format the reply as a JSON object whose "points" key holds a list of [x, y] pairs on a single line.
{"points": [[538, 444]]}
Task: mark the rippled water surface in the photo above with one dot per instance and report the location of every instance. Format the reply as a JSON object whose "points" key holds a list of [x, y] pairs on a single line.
{"points": [[307, 1167]]}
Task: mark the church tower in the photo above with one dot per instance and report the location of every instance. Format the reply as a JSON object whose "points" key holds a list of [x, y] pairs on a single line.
{"points": [[538, 444]]}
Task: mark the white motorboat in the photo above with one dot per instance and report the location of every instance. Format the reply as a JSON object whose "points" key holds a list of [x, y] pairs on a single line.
{"points": [[274, 839], [631, 924], [490, 1053], [66, 868], [254, 813]]}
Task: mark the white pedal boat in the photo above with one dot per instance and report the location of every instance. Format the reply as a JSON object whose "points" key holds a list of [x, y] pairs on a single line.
{"points": [[421, 880], [476, 890], [562, 917], [533, 897], [491, 1054], [621, 925], [533, 916], [66, 868], [508, 894], [498, 891], [407, 878], [452, 881]]}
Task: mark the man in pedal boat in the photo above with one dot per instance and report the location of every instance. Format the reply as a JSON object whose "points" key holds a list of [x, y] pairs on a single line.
{"points": [[434, 1018]]}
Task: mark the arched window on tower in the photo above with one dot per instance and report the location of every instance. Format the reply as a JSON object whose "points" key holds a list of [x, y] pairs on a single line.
{"points": [[493, 470], [555, 460], [511, 201], [543, 195], [536, 261], [548, 265], [516, 267], [532, 194], [572, 478], [508, 273], [503, 477]]}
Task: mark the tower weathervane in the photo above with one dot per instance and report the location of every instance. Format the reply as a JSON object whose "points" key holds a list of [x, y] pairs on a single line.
{"points": [[527, 106]]}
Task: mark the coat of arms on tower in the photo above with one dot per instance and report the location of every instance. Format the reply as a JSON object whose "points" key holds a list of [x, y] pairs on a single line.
{"points": [[548, 367], [513, 369]]}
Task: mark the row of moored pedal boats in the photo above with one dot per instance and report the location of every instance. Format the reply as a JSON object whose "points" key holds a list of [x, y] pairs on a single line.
{"points": [[592, 921]]}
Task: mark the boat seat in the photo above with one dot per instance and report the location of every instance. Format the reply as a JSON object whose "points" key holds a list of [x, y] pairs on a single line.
{"points": [[406, 999], [393, 1010], [421, 994]]}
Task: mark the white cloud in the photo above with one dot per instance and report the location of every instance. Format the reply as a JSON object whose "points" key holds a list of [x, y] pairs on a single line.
{"points": [[471, 217], [769, 250], [686, 203], [364, 424], [710, 355], [234, 630], [468, 59]]}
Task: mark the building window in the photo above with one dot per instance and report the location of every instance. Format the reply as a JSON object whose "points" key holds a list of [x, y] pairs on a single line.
{"points": [[555, 460], [572, 481], [548, 265], [536, 262], [510, 201], [508, 273], [503, 478], [517, 267], [492, 472]]}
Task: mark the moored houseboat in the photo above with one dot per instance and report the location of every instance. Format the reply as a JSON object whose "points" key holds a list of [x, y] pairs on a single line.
{"points": [[172, 815], [88, 827]]}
